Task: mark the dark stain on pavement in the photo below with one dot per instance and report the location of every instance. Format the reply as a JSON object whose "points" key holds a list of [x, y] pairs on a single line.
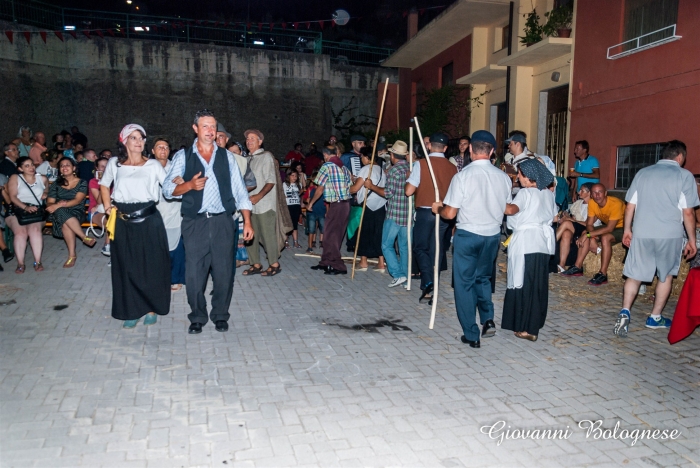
{"points": [[60, 307], [372, 327], [10, 302]]}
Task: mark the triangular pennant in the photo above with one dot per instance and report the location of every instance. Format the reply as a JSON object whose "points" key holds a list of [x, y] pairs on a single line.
{"points": [[308, 25], [247, 25], [198, 22], [205, 22], [226, 24], [110, 32], [174, 26], [421, 11], [272, 25], [296, 25], [43, 36], [59, 35], [404, 14], [27, 35], [74, 34], [99, 33], [284, 25], [154, 28], [87, 33], [9, 35], [320, 23], [216, 23], [259, 26]]}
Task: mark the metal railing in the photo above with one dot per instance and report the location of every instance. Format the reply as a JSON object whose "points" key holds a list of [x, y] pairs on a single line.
{"points": [[163, 28], [643, 42]]}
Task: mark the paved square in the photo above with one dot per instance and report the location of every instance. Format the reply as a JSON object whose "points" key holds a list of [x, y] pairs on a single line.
{"points": [[295, 381]]}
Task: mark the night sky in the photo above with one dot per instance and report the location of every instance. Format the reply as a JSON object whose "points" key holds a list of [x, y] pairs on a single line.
{"points": [[382, 22]]}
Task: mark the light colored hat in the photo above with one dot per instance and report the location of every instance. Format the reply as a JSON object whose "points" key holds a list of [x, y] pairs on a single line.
{"points": [[256, 132], [400, 148], [128, 130]]}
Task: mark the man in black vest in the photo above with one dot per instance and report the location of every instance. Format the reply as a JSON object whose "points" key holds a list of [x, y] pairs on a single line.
{"points": [[212, 189]]}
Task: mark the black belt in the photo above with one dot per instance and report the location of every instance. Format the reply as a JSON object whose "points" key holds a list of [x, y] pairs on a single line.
{"points": [[138, 215], [208, 215]]}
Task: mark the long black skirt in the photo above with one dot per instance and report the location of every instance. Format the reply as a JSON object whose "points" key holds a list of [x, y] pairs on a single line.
{"points": [[140, 266], [371, 237], [525, 309]]}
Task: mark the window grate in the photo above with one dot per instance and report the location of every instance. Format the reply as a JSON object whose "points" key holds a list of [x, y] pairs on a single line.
{"points": [[630, 159]]}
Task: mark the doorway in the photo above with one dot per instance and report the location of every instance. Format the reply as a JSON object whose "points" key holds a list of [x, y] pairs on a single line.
{"points": [[555, 104]]}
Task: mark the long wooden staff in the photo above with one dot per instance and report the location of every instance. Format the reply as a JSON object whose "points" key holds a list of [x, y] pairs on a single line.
{"points": [[436, 274], [371, 166], [410, 210]]}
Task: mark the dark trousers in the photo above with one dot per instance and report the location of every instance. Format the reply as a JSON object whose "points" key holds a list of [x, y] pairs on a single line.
{"points": [[336, 223], [210, 246], [177, 263], [472, 267], [424, 244]]}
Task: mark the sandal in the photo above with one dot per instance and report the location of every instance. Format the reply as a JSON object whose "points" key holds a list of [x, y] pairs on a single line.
{"points": [[89, 241], [38, 266], [20, 269], [272, 270], [253, 271], [526, 336], [70, 263], [297, 245]]}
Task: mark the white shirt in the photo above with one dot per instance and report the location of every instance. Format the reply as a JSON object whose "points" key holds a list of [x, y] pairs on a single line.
{"points": [[291, 193], [480, 191], [532, 231], [170, 211], [374, 201], [134, 184]]}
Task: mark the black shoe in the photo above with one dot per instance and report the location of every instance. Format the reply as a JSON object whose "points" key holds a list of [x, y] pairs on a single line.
{"points": [[598, 279], [319, 267], [333, 271], [1, 268], [489, 329], [7, 255], [221, 325], [427, 291], [195, 328], [473, 344]]}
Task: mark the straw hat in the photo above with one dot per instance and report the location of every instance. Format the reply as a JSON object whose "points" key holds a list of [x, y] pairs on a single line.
{"points": [[399, 148]]}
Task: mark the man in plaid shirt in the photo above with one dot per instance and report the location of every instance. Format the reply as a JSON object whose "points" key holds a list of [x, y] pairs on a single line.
{"points": [[333, 181], [395, 223]]}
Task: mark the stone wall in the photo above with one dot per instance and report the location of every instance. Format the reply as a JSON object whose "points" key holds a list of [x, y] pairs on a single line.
{"points": [[102, 84]]}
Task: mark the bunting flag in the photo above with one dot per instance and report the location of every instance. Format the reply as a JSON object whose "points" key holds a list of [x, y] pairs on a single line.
{"points": [[284, 25], [59, 35], [74, 34], [9, 36], [110, 32], [308, 25], [296, 25], [27, 35], [87, 33], [272, 25], [320, 23], [43, 36], [99, 33], [260, 26]]}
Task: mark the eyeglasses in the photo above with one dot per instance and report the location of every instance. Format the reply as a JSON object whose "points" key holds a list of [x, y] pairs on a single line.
{"points": [[163, 147]]}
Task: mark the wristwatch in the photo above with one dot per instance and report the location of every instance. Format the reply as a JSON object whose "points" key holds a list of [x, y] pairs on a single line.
{"points": [[588, 234]]}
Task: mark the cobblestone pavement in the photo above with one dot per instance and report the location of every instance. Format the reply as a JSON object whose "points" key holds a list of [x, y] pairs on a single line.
{"points": [[295, 381]]}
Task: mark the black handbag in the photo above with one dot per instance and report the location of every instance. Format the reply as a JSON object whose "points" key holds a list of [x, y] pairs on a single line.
{"points": [[25, 217]]}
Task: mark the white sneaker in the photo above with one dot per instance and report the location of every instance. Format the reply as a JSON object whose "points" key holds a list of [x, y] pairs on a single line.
{"points": [[398, 281], [106, 250]]}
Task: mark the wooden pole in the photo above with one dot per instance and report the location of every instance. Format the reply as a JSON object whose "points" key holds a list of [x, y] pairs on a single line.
{"points": [[436, 273], [371, 166], [409, 221]]}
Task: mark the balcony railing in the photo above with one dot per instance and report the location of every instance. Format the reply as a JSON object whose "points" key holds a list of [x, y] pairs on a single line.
{"points": [[643, 42], [175, 29]]}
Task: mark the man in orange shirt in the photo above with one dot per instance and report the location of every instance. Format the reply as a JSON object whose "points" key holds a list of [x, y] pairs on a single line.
{"points": [[611, 212]]}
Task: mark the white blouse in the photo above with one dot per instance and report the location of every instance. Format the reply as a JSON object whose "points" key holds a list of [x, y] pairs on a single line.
{"points": [[374, 201], [532, 230], [134, 184]]}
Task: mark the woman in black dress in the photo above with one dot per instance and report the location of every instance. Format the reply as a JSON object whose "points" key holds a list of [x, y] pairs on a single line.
{"points": [[139, 252], [66, 204]]}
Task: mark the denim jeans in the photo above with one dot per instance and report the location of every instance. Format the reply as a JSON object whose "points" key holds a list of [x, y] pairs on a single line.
{"points": [[472, 268], [391, 231]]}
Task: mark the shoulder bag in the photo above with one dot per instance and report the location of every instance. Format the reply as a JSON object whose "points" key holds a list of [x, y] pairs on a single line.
{"points": [[25, 217]]}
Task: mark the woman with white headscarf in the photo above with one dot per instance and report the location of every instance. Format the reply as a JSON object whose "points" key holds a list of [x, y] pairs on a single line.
{"points": [[530, 217], [139, 252]]}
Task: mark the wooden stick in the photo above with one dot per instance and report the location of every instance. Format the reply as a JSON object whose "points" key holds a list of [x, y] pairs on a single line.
{"points": [[436, 273], [371, 166], [410, 211]]}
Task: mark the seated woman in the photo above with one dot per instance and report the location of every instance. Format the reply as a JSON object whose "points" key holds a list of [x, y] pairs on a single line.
{"points": [[27, 191], [66, 203], [96, 209], [571, 226], [49, 167]]}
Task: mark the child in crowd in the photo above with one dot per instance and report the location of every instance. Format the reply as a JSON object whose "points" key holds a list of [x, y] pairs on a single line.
{"points": [[314, 214], [292, 191]]}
